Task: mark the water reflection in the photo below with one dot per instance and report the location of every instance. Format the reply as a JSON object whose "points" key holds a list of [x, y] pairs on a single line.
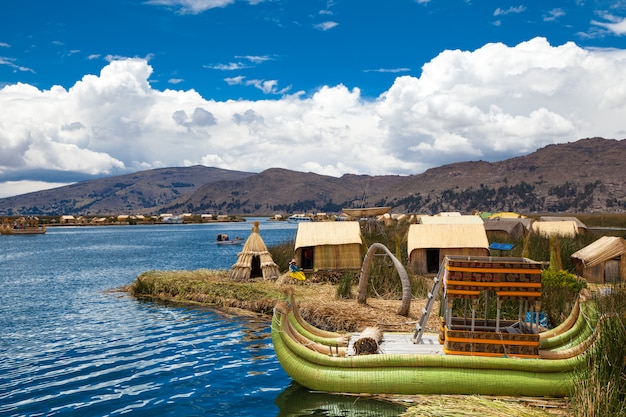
{"points": [[296, 401]]}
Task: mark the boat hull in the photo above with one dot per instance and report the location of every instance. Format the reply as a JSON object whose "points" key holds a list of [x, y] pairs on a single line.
{"points": [[415, 373]]}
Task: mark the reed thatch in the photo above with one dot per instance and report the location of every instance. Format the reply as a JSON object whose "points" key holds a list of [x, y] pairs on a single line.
{"points": [[329, 245], [567, 228], [582, 227], [504, 228], [254, 260], [602, 261], [429, 244], [451, 219]]}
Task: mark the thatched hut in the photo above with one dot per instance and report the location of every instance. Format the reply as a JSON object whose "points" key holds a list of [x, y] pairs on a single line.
{"points": [[580, 226], [254, 260], [567, 228], [502, 229], [329, 245], [428, 244], [451, 218], [602, 261]]}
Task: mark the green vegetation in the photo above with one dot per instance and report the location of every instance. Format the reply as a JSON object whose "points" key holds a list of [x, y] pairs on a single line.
{"points": [[559, 291], [601, 390]]}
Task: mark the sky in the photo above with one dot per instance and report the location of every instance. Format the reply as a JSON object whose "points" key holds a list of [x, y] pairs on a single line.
{"points": [[96, 88]]}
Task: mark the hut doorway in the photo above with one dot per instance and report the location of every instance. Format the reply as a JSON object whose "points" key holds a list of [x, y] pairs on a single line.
{"points": [[432, 260], [255, 267], [308, 258]]}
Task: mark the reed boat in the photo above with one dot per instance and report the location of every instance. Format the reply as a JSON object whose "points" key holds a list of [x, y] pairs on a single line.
{"points": [[365, 211], [469, 355], [7, 229]]}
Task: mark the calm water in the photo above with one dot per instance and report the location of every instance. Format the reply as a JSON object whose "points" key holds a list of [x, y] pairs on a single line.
{"points": [[70, 346]]}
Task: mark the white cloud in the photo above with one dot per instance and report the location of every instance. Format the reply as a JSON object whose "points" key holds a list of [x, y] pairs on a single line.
{"points": [[493, 103], [616, 25], [11, 188], [192, 6], [326, 25], [553, 15], [510, 10]]}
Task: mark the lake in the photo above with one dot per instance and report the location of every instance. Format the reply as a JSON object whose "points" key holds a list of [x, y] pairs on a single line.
{"points": [[72, 345]]}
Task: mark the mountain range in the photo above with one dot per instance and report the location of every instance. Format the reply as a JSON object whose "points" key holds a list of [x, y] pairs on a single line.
{"points": [[588, 175]]}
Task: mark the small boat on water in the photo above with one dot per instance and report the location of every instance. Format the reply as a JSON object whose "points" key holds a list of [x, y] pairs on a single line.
{"points": [[223, 239], [22, 226], [468, 356], [366, 211], [299, 218]]}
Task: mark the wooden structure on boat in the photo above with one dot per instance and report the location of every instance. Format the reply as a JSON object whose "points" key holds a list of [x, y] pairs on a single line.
{"points": [[465, 280]]}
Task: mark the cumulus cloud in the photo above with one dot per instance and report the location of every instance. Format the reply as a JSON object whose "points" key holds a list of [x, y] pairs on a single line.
{"points": [[492, 103]]}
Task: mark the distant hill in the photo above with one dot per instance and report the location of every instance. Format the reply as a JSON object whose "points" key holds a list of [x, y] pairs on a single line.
{"points": [[583, 176], [138, 193]]}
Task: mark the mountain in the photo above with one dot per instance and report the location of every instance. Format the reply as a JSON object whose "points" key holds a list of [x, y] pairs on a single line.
{"points": [[583, 176], [138, 193]]}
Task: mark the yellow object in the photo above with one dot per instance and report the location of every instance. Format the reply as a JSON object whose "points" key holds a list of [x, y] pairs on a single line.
{"points": [[299, 275]]}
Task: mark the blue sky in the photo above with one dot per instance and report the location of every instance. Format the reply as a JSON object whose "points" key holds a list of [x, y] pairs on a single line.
{"points": [[96, 88]]}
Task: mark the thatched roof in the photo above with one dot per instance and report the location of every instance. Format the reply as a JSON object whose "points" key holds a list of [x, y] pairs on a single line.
{"points": [[514, 227], [424, 236], [603, 249], [327, 233], [506, 215], [454, 219], [556, 228], [254, 246], [579, 224]]}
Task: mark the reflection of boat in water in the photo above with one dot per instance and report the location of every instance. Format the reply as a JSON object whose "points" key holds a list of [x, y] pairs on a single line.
{"points": [[298, 218], [365, 212], [223, 239], [469, 356], [297, 401], [22, 226]]}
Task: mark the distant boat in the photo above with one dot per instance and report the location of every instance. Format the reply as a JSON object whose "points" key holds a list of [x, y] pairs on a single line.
{"points": [[365, 211], [172, 220], [223, 239], [298, 218], [7, 229]]}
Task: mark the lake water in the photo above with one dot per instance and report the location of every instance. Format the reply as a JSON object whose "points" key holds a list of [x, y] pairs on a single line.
{"points": [[71, 346]]}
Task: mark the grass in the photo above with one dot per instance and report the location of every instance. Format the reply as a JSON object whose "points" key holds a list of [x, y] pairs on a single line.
{"points": [[601, 390]]}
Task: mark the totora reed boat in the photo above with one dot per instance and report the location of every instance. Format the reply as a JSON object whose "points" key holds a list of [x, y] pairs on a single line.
{"points": [[469, 355]]}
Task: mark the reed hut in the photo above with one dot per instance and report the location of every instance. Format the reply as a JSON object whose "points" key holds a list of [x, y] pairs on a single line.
{"points": [[603, 261], [254, 260], [561, 228], [329, 245], [429, 244], [580, 226], [451, 218], [502, 229]]}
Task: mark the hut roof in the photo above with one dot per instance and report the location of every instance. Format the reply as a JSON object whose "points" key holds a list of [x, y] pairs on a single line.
{"points": [[579, 224], [555, 228], [603, 249], [508, 225], [506, 215], [455, 219], [423, 236], [328, 233]]}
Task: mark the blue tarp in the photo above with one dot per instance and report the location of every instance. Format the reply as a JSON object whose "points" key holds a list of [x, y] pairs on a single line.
{"points": [[501, 246]]}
